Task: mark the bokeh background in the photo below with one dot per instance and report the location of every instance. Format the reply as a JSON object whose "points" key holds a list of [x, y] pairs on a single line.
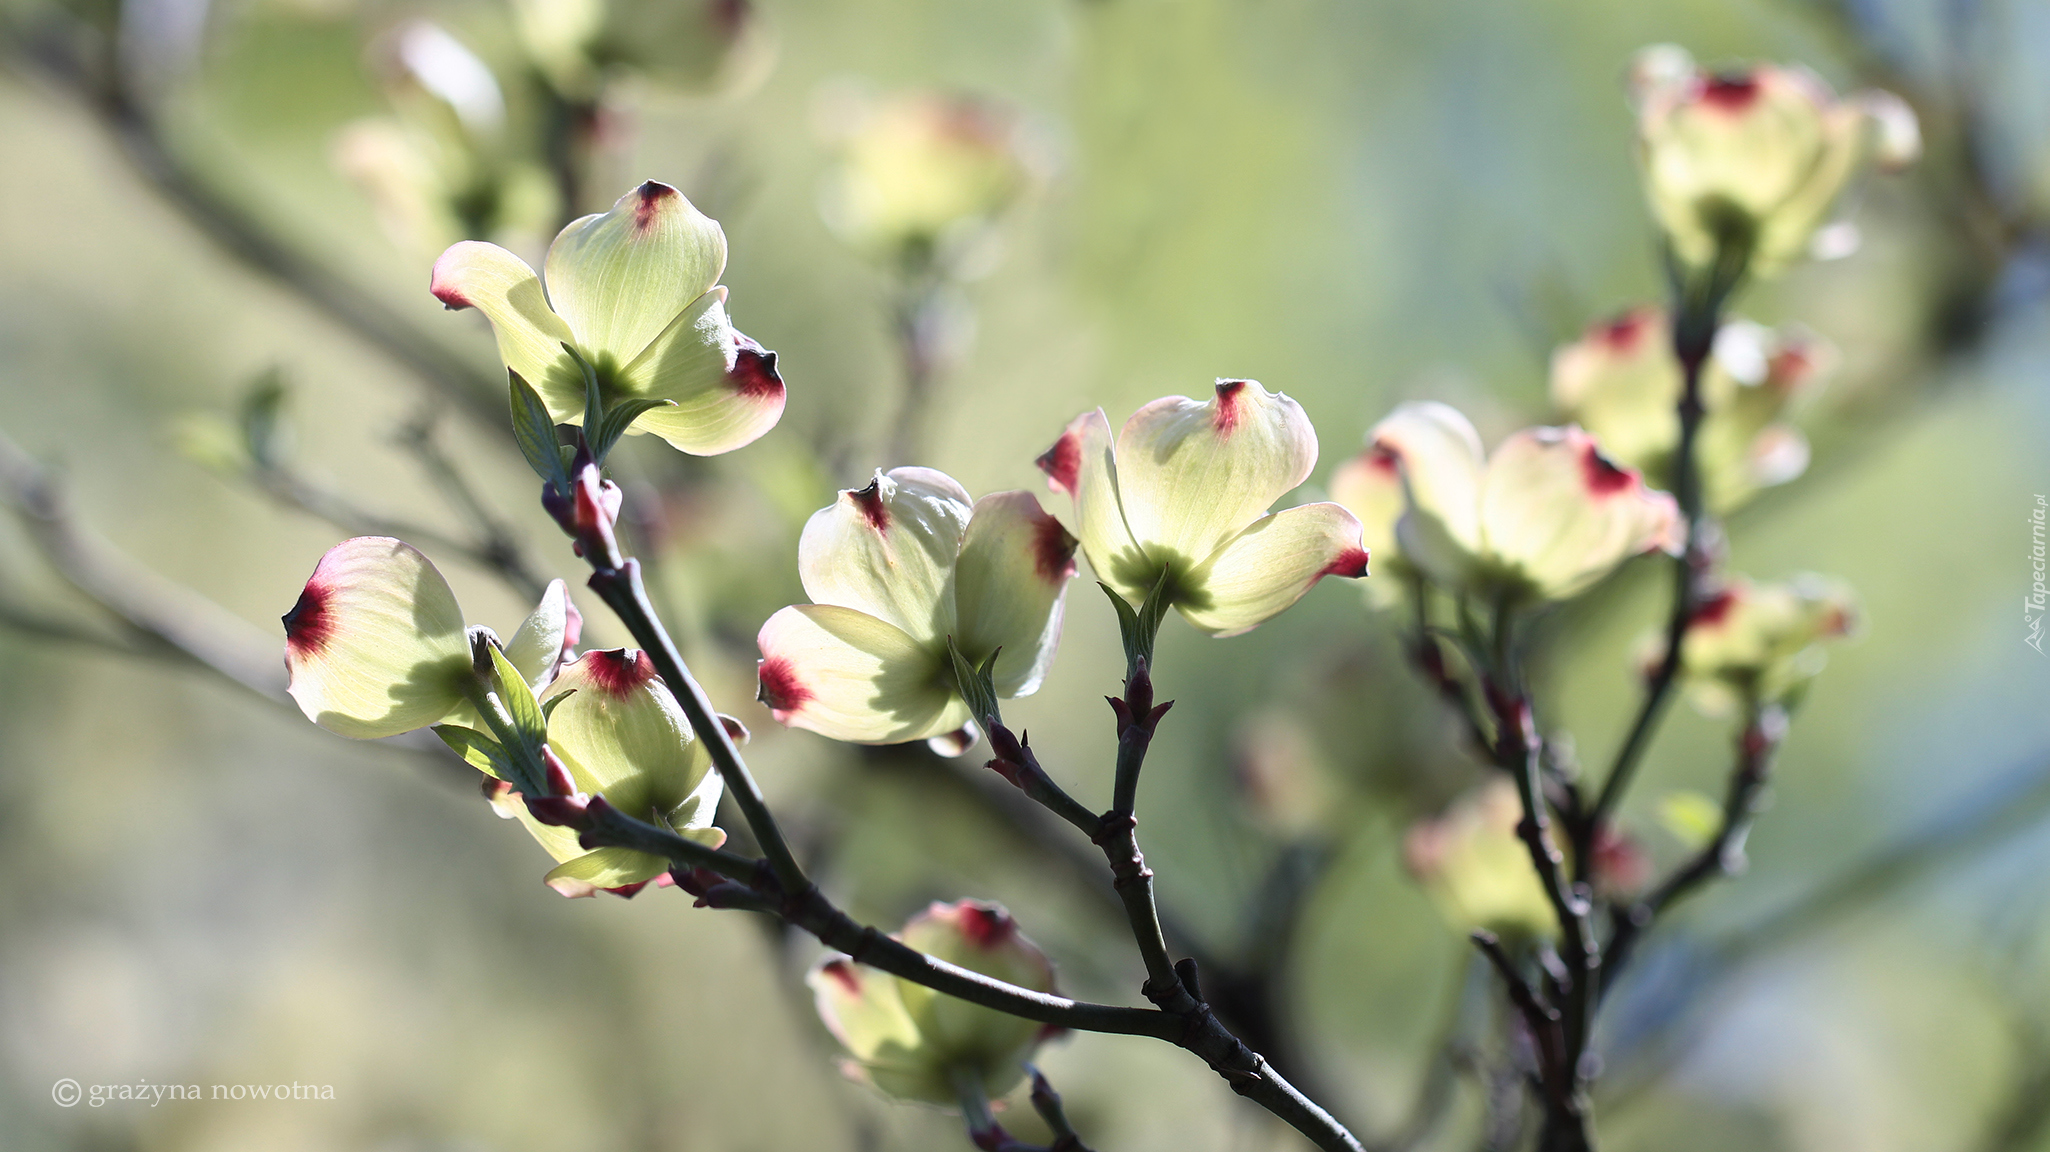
{"points": [[1355, 203]]}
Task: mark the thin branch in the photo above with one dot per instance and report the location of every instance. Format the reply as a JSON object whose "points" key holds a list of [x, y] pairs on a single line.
{"points": [[95, 82]]}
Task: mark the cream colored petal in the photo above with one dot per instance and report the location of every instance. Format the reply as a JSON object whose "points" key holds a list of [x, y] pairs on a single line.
{"points": [[1270, 565], [1083, 464], [375, 645], [1557, 511], [473, 274], [1442, 463], [536, 648], [1192, 474], [621, 278], [982, 938], [888, 549], [1014, 566], [1370, 487], [725, 386], [1622, 382], [622, 734], [843, 673]]}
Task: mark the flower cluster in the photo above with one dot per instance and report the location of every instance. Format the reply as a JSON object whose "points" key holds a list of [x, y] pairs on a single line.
{"points": [[376, 646]]}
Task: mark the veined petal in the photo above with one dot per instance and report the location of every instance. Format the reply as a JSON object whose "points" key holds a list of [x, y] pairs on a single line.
{"points": [[888, 549], [376, 646], [622, 277], [473, 274], [864, 1010], [725, 386], [1562, 514], [1270, 565], [1083, 464], [536, 649], [622, 735], [1015, 564], [843, 673], [1191, 474]]}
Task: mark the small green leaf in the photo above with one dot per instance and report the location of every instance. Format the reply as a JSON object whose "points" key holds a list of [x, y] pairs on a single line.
{"points": [[548, 705], [262, 419], [1141, 626], [534, 429], [977, 689], [528, 720], [618, 419], [594, 399], [478, 750]]}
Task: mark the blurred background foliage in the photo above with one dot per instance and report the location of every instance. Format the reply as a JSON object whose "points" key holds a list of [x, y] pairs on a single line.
{"points": [[1353, 203]]}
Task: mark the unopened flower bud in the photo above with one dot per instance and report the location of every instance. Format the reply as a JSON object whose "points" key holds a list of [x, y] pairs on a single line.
{"points": [[1761, 643], [911, 1042]]}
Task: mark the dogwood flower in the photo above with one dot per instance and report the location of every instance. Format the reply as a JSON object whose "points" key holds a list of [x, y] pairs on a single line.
{"points": [[1623, 384], [376, 644], [894, 570], [1476, 870], [1183, 491], [620, 735], [922, 171], [695, 45], [1546, 516], [1755, 155], [635, 293], [913, 1043], [1761, 642]]}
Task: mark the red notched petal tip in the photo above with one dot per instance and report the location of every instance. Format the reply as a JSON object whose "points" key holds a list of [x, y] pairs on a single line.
{"points": [[1604, 477], [1715, 609], [1062, 463], [842, 973], [984, 926], [310, 624], [1053, 550], [618, 671], [1351, 564], [649, 207], [869, 501], [1730, 92], [1622, 334], [780, 689], [1383, 458], [754, 374], [1230, 405]]}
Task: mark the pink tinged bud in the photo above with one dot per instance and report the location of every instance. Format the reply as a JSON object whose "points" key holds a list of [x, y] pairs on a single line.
{"points": [[911, 1042], [1475, 868], [375, 644], [1763, 640]]}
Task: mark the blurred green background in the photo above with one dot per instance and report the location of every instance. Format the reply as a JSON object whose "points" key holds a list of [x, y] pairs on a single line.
{"points": [[1355, 203]]}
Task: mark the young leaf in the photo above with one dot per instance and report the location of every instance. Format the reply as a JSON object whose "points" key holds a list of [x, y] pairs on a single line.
{"points": [[1140, 626], [975, 685], [594, 400], [618, 419], [534, 430], [478, 750]]}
